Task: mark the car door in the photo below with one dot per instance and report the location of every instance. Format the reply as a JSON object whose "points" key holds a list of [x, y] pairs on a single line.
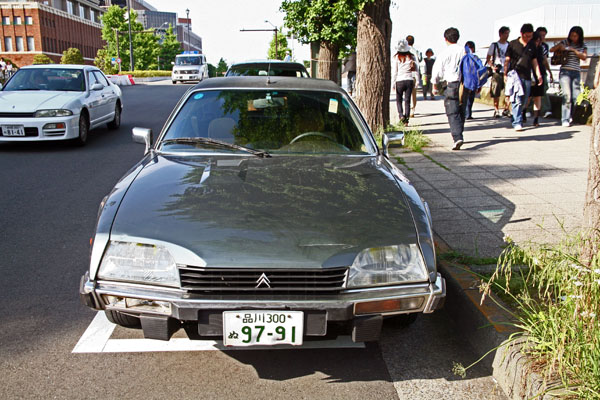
{"points": [[94, 100], [109, 97]]}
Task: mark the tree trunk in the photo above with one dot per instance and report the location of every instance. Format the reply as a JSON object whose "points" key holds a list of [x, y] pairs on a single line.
{"points": [[591, 210], [373, 71], [328, 61]]}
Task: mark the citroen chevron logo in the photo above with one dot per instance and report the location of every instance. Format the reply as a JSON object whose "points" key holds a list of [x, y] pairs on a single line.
{"points": [[263, 280]]}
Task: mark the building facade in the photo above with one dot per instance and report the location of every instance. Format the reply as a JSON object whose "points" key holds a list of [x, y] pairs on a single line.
{"points": [[188, 39], [49, 27]]}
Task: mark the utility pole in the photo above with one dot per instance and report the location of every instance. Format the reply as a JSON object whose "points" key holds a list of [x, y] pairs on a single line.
{"points": [[276, 44], [264, 30], [118, 50], [187, 13], [130, 42]]}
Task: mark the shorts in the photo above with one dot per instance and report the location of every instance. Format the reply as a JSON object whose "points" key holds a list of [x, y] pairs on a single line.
{"points": [[537, 91], [496, 85]]}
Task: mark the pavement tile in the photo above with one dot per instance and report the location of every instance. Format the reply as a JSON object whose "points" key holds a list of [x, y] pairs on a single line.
{"points": [[448, 214], [477, 201], [480, 244], [463, 192], [455, 183], [459, 226], [439, 202]]}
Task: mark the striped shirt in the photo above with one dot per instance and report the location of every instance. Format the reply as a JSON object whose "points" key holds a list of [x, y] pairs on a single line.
{"points": [[572, 59]]}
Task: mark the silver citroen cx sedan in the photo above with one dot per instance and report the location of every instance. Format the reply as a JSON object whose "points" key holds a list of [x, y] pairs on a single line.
{"points": [[264, 214]]}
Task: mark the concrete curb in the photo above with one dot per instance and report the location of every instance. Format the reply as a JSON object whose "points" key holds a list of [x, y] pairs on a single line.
{"points": [[483, 324]]}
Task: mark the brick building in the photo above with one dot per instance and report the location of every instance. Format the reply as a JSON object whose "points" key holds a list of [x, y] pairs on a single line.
{"points": [[49, 27]]}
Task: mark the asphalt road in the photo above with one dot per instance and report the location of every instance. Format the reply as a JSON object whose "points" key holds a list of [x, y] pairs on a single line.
{"points": [[49, 198]]}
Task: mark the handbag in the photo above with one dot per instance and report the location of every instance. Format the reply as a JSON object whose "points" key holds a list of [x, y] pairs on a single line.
{"points": [[559, 57]]}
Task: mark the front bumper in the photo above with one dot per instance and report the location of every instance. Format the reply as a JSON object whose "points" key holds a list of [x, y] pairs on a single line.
{"points": [[186, 77], [359, 307], [35, 128]]}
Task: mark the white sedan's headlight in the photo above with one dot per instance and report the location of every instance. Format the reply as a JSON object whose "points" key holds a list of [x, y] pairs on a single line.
{"points": [[53, 113], [136, 262], [387, 265]]}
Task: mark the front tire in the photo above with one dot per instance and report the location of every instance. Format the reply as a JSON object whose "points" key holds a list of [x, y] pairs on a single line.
{"points": [[174, 82], [84, 128], [124, 320], [116, 122]]}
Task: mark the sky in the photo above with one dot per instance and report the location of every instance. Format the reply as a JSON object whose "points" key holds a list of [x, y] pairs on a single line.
{"points": [[219, 23]]}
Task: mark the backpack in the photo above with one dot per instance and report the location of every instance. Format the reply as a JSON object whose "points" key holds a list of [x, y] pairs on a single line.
{"points": [[474, 73]]}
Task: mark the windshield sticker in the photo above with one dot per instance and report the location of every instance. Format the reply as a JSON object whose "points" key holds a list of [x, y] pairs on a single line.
{"points": [[198, 96], [333, 106]]}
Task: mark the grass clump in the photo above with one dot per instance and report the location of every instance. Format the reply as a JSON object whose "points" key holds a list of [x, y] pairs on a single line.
{"points": [[557, 300], [413, 136]]}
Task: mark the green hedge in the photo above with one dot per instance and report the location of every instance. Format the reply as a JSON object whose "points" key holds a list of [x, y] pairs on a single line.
{"points": [[146, 74]]}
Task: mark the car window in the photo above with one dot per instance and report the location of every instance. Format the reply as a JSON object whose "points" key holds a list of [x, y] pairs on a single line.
{"points": [[92, 78], [264, 70], [55, 79], [282, 121], [195, 60], [101, 78]]}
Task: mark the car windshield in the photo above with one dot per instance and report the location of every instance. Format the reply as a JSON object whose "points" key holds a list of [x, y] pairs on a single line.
{"points": [[264, 70], [272, 121], [187, 61], [58, 79]]}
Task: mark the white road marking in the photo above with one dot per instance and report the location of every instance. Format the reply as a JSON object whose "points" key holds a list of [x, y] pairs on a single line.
{"points": [[96, 339]]}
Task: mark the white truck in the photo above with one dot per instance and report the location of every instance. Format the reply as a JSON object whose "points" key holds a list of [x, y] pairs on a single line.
{"points": [[189, 66]]}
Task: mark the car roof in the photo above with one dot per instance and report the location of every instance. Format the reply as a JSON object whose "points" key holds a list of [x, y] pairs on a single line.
{"points": [[60, 66], [271, 82], [278, 62]]}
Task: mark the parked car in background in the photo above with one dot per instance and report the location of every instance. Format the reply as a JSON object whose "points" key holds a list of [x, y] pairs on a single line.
{"points": [[264, 214], [268, 67], [189, 66], [57, 102]]}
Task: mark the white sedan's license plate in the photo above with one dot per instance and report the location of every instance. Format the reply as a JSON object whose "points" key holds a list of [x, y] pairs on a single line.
{"points": [[252, 328], [13, 130]]}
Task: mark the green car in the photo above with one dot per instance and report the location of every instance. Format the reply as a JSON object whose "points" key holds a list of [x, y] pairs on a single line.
{"points": [[264, 214]]}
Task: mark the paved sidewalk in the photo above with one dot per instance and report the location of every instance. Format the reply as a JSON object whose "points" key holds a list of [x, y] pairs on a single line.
{"points": [[529, 185]]}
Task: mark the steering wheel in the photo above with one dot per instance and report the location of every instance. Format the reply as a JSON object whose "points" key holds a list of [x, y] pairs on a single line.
{"points": [[305, 134]]}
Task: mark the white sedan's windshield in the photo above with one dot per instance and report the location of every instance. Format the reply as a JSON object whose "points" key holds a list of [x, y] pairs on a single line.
{"points": [[275, 121], [188, 61], [47, 79]]}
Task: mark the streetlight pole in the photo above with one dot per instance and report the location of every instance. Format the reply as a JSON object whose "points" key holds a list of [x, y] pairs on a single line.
{"points": [[187, 12], [276, 49], [130, 42]]}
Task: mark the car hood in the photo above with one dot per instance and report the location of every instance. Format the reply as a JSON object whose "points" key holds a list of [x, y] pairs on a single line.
{"points": [[279, 212], [33, 100]]}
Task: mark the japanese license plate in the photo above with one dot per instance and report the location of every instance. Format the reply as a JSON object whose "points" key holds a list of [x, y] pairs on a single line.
{"points": [[13, 130], [252, 328]]}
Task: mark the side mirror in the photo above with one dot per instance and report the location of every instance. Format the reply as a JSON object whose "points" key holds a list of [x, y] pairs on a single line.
{"points": [[391, 139], [97, 86], [143, 136]]}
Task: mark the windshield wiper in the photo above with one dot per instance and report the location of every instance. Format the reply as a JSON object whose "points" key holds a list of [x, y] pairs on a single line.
{"points": [[218, 143]]}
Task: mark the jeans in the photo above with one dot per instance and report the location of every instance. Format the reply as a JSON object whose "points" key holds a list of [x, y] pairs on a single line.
{"points": [[546, 106], [454, 111], [402, 87], [468, 100], [519, 103], [569, 84], [427, 86]]}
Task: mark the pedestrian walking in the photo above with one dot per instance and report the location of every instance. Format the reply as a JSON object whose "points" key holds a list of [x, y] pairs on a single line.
{"points": [[350, 69], [404, 66], [570, 71], [446, 68], [416, 73], [495, 59], [426, 82], [521, 57], [537, 84], [9, 69], [469, 95], [545, 68]]}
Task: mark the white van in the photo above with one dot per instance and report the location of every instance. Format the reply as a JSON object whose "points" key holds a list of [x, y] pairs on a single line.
{"points": [[189, 66]]}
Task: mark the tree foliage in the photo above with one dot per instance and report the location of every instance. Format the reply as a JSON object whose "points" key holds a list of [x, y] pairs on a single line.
{"points": [[221, 67], [169, 48], [42, 59], [212, 70], [282, 47], [72, 56]]}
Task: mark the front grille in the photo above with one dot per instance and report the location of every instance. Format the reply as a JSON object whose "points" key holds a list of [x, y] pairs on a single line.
{"points": [[278, 281], [16, 115], [185, 72]]}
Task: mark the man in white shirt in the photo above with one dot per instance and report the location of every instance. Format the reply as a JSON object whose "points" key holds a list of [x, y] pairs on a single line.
{"points": [[495, 59], [447, 68]]}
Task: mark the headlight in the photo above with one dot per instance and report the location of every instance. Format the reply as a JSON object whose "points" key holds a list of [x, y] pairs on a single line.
{"points": [[387, 265], [135, 262], [53, 113]]}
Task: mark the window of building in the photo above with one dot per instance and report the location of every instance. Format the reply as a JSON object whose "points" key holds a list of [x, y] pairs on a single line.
{"points": [[70, 8], [29, 20], [17, 21], [5, 20], [19, 41], [8, 43], [30, 43], [92, 15], [82, 11]]}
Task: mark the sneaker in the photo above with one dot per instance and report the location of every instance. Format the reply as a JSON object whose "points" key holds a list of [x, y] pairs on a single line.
{"points": [[469, 117], [496, 114], [457, 145], [548, 114], [518, 128], [524, 117], [506, 113], [566, 124], [535, 122]]}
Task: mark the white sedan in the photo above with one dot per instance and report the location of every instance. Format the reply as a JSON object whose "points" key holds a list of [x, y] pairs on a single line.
{"points": [[57, 102]]}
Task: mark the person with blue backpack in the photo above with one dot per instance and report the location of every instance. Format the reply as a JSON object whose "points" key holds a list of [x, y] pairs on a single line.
{"points": [[474, 76]]}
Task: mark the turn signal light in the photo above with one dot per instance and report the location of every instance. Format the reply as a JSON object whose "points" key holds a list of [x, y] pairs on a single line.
{"points": [[388, 306]]}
